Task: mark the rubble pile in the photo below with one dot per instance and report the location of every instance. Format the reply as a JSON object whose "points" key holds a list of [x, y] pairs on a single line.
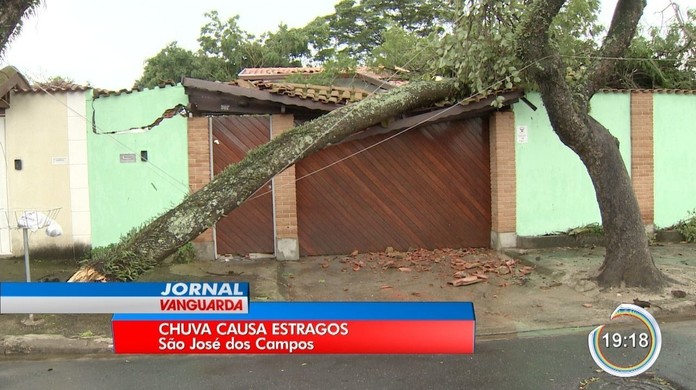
{"points": [[467, 265]]}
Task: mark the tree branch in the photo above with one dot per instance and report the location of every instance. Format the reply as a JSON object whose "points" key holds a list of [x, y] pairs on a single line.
{"points": [[11, 15], [547, 71], [533, 36], [689, 36], [621, 31]]}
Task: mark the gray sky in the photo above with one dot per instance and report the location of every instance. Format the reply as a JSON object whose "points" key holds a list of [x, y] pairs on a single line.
{"points": [[106, 43]]}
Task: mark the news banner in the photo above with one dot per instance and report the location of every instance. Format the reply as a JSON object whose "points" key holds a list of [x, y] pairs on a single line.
{"points": [[219, 318]]}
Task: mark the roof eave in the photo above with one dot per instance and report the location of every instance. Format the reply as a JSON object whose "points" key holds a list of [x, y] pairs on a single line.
{"points": [[14, 79], [237, 100]]}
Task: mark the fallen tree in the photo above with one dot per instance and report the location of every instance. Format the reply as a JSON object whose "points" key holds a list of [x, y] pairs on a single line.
{"points": [[145, 247]]}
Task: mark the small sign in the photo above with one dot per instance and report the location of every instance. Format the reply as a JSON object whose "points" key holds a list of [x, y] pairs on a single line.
{"points": [[522, 135], [127, 158], [59, 160]]}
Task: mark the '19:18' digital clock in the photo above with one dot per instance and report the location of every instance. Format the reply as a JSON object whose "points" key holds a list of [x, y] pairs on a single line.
{"points": [[627, 352]]}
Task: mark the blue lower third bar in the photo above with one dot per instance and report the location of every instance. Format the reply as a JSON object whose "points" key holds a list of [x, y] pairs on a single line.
{"points": [[64, 298], [133, 289]]}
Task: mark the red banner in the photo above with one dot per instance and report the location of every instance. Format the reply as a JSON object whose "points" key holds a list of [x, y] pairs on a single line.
{"points": [[294, 337]]}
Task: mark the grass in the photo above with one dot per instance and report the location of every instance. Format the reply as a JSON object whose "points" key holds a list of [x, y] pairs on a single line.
{"points": [[592, 229], [687, 227]]}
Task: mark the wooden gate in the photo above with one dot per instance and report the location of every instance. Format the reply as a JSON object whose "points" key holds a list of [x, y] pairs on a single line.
{"points": [[248, 228], [428, 187]]}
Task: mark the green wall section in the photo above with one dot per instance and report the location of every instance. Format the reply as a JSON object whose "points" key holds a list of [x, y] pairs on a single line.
{"points": [[554, 191], [125, 195], [674, 129]]}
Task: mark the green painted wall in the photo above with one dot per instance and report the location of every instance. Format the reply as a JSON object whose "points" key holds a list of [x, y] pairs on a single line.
{"points": [[674, 129], [554, 191], [125, 195]]}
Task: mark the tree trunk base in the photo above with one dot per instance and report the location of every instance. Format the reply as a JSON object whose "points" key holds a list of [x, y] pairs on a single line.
{"points": [[637, 273], [88, 274]]}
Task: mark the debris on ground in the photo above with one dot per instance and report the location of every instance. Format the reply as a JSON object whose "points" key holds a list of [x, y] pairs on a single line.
{"points": [[465, 281], [468, 265], [645, 304]]}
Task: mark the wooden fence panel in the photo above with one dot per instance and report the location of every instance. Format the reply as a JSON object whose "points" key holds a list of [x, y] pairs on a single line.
{"points": [[248, 228]]}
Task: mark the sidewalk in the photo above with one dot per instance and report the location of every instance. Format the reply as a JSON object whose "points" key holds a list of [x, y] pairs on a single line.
{"points": [[517, 294]]}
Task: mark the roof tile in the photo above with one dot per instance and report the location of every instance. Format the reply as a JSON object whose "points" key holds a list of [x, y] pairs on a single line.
{"points": [[66, 87], [650, 90], [317, 93], [104, 92], [256, 72]]}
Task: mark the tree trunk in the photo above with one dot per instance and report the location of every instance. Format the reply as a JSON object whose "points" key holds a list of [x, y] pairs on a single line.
{"points": [[628, 259], [143, 249]]}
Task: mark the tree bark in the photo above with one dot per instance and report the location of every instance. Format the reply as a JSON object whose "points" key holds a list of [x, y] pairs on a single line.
{"points": [[144, 248], [628, 259]]}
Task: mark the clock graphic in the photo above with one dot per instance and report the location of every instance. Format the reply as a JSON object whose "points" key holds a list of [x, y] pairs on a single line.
{"points": [[626, 351]]}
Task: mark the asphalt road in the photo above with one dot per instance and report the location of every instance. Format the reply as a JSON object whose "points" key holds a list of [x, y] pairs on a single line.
{"points": [[533, 362]]}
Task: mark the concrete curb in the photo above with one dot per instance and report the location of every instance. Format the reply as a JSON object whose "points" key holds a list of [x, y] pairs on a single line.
{"points": [[522, 256], [52, 344]]}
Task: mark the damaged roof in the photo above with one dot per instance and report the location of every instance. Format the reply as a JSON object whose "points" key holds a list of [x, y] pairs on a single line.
{"points": [[264, 91], [317, 93], [269, 86]]}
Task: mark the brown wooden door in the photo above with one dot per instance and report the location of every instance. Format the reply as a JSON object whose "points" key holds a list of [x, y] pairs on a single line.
{"points": [[248, 228], [428, 187]]}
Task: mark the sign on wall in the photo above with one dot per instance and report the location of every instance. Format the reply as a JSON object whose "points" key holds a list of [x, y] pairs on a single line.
{"points": [[127, 158], [522, 134]]}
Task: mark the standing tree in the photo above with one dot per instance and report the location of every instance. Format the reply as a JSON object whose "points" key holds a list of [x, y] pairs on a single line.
{"points": [[401, 49], [225, 49], [513, 36], [12, 15], [495, 44], [171, 63], [357, 27], [628, 257]]}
